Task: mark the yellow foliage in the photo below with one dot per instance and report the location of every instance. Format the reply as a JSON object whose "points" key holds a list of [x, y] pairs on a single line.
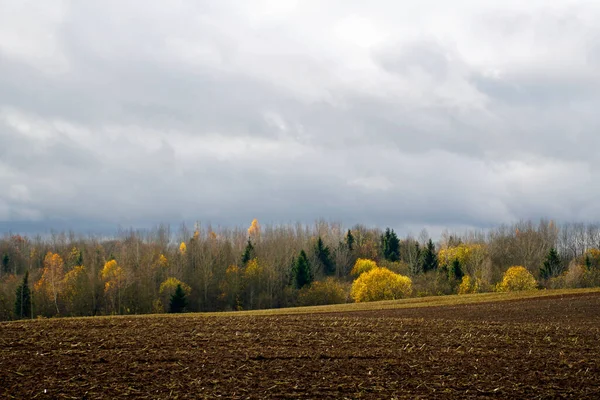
{"points": [[52, 275], [162, 261], [469, 285], [213, 235], [168, 287], [74, 254], [254, 229], [72, 281], [182, 248], [363, 265], [380, 284], [196, 235], [111, 270], [254, 269], [463, 253], [329, 291], [517, 278], [113, 274], [232, 270]]}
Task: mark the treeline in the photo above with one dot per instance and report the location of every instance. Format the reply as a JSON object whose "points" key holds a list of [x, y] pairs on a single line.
{"points": [[202, 269]]}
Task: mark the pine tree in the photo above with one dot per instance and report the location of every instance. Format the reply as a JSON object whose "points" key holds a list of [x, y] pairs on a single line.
{"points": [[178, 300], [390, 245], [5, 262], [323, 254], [429, 258], [350, 240], [456, 271], [23, 299], [552, 266], [302, 273], [249, 253]]}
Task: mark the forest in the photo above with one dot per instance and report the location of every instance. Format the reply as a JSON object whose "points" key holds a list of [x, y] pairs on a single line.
{"points": [[274, 266]]}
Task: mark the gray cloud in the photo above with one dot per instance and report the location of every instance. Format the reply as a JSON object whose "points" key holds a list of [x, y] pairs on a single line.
{"points": [[404, 116]]}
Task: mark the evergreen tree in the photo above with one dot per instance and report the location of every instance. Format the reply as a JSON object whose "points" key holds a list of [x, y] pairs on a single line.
{"points": [[350, 240], [588, 261], [456, 271], [23, 299], [552, 266], [390, 245], [302, 273], [178, 300], [323, 254], [429, 260], [5, 262], [249, 253]]}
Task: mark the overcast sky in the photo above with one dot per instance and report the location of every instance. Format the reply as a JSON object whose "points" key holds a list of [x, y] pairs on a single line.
{"points": [[407, 114]]}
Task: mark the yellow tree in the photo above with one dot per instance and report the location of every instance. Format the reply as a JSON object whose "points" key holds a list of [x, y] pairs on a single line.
{"points": [[254, 229], [470, 256], [380, 284], [51, 281], [113, 276], [517, 278], [363, 265], [76, 284]]}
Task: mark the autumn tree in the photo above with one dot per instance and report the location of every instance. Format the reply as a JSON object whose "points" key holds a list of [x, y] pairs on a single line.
{"points": [[302, 272], [23, 299], [390, 245], [380, 284], [517, 278], [362, 265], [114, 278], [51, 281], [76, 287], [254, 229]]}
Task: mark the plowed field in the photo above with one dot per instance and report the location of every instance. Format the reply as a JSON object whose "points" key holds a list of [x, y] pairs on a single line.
{"points": [[545, 347]]}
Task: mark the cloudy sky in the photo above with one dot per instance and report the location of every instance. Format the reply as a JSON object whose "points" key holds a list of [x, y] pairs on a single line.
{"points": [[406, 114]]}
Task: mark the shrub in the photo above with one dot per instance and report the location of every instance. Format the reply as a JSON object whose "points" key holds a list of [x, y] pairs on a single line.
{"points": [[574, 277], [380, 284], [517, 278], [329, 291], [362, 265]]}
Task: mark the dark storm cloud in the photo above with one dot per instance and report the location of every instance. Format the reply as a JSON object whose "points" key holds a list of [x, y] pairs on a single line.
{"points": [[287, 111]]}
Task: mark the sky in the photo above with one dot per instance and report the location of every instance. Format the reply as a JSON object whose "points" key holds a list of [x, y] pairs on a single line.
{"points": [[408, 114]]}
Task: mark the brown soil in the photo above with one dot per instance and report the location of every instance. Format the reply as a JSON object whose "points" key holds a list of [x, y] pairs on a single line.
{"points": [[535, 348]]}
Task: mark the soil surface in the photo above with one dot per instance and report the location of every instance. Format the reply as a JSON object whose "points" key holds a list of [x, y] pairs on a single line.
{"points": [[536, 348]]}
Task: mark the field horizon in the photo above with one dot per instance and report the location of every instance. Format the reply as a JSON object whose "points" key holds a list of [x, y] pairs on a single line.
{"points": [[540, 344]]}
